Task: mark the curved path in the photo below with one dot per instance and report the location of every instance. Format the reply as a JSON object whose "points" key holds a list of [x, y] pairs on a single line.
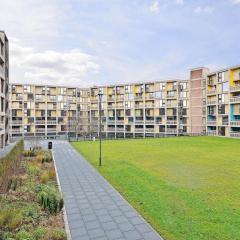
{"points": [[94, 209]]}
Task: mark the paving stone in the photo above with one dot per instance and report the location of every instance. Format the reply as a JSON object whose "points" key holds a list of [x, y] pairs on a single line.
{"points": [[78, 232], [98, 232], [95, 210], [114, 234], [151, 236], [109, 226], [126, 226]]}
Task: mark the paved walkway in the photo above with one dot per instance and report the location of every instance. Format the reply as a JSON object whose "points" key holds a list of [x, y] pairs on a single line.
{"points": [[95, 210]]}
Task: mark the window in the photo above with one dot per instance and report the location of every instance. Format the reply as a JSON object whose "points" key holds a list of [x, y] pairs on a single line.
{"points": [[158, 94], [225, 86]]}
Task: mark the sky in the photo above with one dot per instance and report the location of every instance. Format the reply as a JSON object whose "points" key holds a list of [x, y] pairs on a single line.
{"points": [[97, 42]]}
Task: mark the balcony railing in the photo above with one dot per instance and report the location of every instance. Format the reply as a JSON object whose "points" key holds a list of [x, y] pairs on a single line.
{"points": [[52, 122], [171, 122], [51, 129], [148, 130], [211, 102], [235, 123], [16, 122], [212, 92], [235, 99], [139, 130], [172, 131], [40, 130], [19, 130], [212, 133], [235, 88], [40, 121], [211, 122], [234, 134]]}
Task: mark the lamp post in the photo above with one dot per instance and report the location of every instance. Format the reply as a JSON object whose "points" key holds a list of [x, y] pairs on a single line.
{"points": [[100, 127]]}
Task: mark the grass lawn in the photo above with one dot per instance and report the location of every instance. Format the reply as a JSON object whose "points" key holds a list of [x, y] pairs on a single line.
{"points": [[186, 187]]}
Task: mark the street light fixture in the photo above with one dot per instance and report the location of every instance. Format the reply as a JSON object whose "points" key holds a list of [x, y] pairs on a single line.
{"points": [[100, 94]]}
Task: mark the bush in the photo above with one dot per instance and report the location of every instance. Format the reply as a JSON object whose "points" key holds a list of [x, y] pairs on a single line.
{"points": [[10, 219], [47, 157], [23, 235], [10, 161], [50, 198], [39, 233], [56, 234], [33, 170], [29, 153], [48, 175]]}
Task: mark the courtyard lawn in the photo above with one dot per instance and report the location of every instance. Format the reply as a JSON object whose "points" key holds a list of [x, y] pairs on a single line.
{"points": [[186, 187]]}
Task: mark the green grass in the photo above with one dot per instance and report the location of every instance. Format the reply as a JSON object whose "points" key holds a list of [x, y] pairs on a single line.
{"points": [[186, 187]]}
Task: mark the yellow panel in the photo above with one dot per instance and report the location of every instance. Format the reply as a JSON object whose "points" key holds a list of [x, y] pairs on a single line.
{"points": [[232, 78]]}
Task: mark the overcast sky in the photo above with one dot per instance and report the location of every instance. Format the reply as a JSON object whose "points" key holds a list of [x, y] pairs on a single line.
{"points": [[94, 42]]}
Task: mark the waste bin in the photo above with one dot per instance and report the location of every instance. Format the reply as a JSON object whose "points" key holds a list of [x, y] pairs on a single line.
{"points": [[49, 145]]}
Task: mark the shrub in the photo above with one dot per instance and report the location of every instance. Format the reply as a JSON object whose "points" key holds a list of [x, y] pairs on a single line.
{"points": [[47, 157], [50, 198], [39, 233], [33, 170], [56, 234], [48, 175], [10, 219], [23, 235], [29, 153], [10, 161]]}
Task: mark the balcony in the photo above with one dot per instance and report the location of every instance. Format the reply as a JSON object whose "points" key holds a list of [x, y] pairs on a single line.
{"points": [[14, 130], [120, 120], [171, 131], [171, 122], [234, 134], [40, 130], [16, 122], [139, 119], [119, 129], [235, 123], [171, 96], [149, 130], [139, 130], [149, 106], [138, 105], [212, 133], [211, 102], [111, 129], [211, 123], [111, 106], [40, 122], [51, 129], [212, 92], [149, 119], [235, 88], [235, 100], [51, 122], [171, 105]]}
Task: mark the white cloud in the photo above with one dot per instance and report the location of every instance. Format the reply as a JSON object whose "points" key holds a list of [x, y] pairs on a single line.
{"points": [[236, 1], [154, 7], [206, 9], [179, 2], [50, 67]]}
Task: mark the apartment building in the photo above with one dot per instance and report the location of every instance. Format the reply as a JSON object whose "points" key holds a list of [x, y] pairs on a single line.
{"points": [[47, 111], [148, 109], [4, 83], [223, 102], [206, 103]]}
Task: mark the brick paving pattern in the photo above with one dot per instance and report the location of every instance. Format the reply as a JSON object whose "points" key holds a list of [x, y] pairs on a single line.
{"points": [[94, 209]]}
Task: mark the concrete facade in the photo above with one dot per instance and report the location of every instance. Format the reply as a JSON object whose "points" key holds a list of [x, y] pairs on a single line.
{"points": [[4, 84], [143, 109]]}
